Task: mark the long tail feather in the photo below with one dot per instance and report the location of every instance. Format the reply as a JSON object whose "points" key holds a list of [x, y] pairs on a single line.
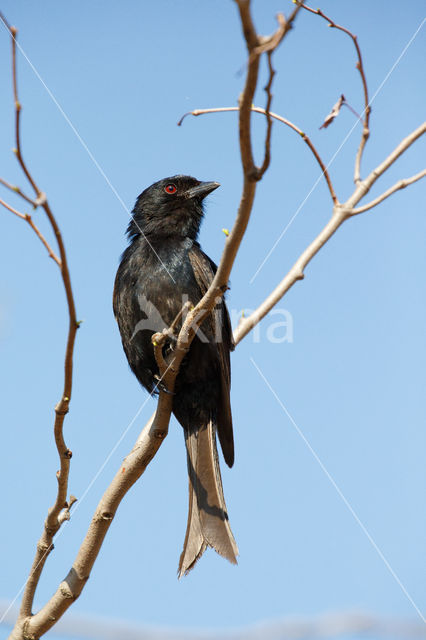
{"points": [[208, 523]]}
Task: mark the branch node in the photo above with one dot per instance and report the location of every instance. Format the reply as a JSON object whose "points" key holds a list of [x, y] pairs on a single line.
{"points": [[62, 407], [66, 591], [25, 633], [160, 434], [44, 547], [64, 515], [41, 199], [72, 501]]}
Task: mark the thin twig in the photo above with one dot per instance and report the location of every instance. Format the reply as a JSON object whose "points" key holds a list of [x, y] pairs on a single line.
{"points": [[401, 184], [367, 183], [267, 156], [256, 45], [53, 520], [302, 134], [295, 274], [38, 233], [28, 218], [18, 108], [12, 210], [246, 98], [268, 44], [18, 191], [360, 67]]}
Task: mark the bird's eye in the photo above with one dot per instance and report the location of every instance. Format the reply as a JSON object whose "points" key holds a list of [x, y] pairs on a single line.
{"points": [[170, 188]]}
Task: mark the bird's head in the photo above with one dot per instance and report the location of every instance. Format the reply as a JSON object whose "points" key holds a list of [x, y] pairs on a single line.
{"points": [[170, 207]]}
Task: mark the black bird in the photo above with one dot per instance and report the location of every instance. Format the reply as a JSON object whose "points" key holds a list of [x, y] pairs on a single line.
{"points": [[162, 268]]}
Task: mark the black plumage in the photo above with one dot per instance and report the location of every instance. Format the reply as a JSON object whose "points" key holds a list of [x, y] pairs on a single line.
{"points": [[163, 268]]}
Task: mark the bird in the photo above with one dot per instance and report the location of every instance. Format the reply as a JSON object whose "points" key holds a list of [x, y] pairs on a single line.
{"points": [[161, 270]]}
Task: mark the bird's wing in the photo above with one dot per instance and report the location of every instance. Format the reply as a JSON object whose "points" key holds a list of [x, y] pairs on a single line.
{"points": [[204, 270]]}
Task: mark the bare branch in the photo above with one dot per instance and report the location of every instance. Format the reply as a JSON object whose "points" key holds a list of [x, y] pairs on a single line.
{"points": [[270, 43], [360, 67], [18, 108], [341, 212], [129, 472], [296, 273], [38, 233], [305, 138], [366, 184], [18, 191], [268, 87], [28, 218], [401, 184], [246, 99], [53, 520], [268, 46], [66, 512], [12, 210], [256, 45]]}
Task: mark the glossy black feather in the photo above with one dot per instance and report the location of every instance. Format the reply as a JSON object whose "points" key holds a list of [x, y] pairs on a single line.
{"points": [[162, 268]]}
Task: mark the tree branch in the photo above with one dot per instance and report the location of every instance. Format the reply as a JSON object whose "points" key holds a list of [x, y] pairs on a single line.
{"points": [[18, 191], [360, 67], [341, 212], [392, 157], [296, 273], [401, 184], [28, 218], [130, 471], [302, 134], [268, 87], [256, 45], [55, 516], [18, 152]]}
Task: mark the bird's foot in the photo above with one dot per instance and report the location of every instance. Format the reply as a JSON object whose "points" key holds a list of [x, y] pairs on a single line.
{"points": [[161, 386]]}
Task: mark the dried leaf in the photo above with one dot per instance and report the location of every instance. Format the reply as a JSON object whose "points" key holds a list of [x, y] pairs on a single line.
{"points": [[333, 113]]}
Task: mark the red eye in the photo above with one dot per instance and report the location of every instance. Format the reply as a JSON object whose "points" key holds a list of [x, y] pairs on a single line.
{"points": [[170, 188]]}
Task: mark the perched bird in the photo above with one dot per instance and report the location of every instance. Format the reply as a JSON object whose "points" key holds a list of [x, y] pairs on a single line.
{"points": [[163, 268]]}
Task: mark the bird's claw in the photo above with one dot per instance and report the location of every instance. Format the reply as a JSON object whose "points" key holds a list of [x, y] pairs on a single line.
{"points": [[161, 386]]}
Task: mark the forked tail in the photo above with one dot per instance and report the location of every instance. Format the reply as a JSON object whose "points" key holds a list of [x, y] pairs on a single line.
{"points": [[208, 524]]}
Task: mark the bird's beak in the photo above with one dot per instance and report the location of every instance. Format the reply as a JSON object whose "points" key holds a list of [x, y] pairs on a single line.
{"points": [[202, 190]]}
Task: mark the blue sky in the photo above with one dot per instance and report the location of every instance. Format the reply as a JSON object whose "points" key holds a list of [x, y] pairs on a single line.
{"points": [[353, 376]]}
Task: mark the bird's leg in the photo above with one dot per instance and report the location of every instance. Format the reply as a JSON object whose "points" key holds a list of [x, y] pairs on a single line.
{"points": [[160, 385], [160, 341], [182, 314], [171, 333]]}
